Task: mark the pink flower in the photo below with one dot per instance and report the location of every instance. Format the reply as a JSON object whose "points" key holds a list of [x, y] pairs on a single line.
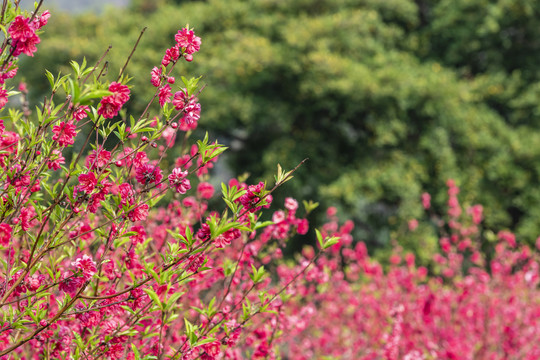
{"points": [[413, 224], [156, 76], [139, 237], [165, 95], [251, 197], [291, 204], [187, 40], [5, 234], [180, 99], [120, 92], [80, 112], [64, 133], [147, 174], [213, 349], [127, 195], [98, 158], [8, 141], [225, 239], [35, 281], [476, 213], [178, 180], [8, 72], [507, 237], [171, 54], [27, 46], [40, 21], [303, 226], [205, 190], [23, 88], [426, 200], [204, 232], [26, 216], [86, 266], [192, 114], [139, 213], [87, 182], [111, 105], [70, 284], [20, 29], [140, 159], [331, 211], [115, 351], [3, 98]]}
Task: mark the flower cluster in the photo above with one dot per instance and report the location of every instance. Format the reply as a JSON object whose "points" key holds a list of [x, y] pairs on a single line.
{"points": [[23, 33], [111, 105], [186, 45], [252, 199], [178, 181]]}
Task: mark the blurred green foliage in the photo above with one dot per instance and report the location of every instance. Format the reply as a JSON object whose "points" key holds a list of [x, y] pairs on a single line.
{"points": [[387, 99]]}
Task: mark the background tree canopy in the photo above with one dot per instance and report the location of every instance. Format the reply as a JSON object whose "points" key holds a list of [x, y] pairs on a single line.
{"points": [[388, 99]]}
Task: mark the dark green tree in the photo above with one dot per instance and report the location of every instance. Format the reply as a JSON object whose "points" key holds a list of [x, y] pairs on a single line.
{"points": [[387, 99]]}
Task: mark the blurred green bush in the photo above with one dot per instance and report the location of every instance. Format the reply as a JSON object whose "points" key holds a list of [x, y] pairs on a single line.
{"points": [[388, 99]]}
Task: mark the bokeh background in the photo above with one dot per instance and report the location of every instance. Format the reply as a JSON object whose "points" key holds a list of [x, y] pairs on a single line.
{"points": [[388, 99]]}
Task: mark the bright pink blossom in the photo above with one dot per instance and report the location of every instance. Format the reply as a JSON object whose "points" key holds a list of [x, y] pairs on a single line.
{"points": [[80, 112], [164, 95], [71, 284], [190, 43], [156, 76], [26, 218], [140, 236], [56, 160], [139, 213], [291, 204], [111, 105], [120, 92], [127, 195], [171, 55], [148, 174], [3, 98], [5, 234], [20, 29], [140, 159], [86, 266], [64, 133], [426, 200], [27, 46], [87, 182], [98, 158], [41, 20], [178, 180], [476, 213], [303, 226], [205, 190]]}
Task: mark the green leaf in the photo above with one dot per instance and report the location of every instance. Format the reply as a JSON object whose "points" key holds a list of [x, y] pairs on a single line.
{"points": [[319, 238], [154, 297]]}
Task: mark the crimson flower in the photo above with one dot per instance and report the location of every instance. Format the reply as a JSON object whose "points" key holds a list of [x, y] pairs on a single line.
{"points": [[20, 29], [87, 182], [165, 95], [139, 213], [177, 180], [156, 76], [5, 234], [64, 133], [86, 265], [147, 174]]}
